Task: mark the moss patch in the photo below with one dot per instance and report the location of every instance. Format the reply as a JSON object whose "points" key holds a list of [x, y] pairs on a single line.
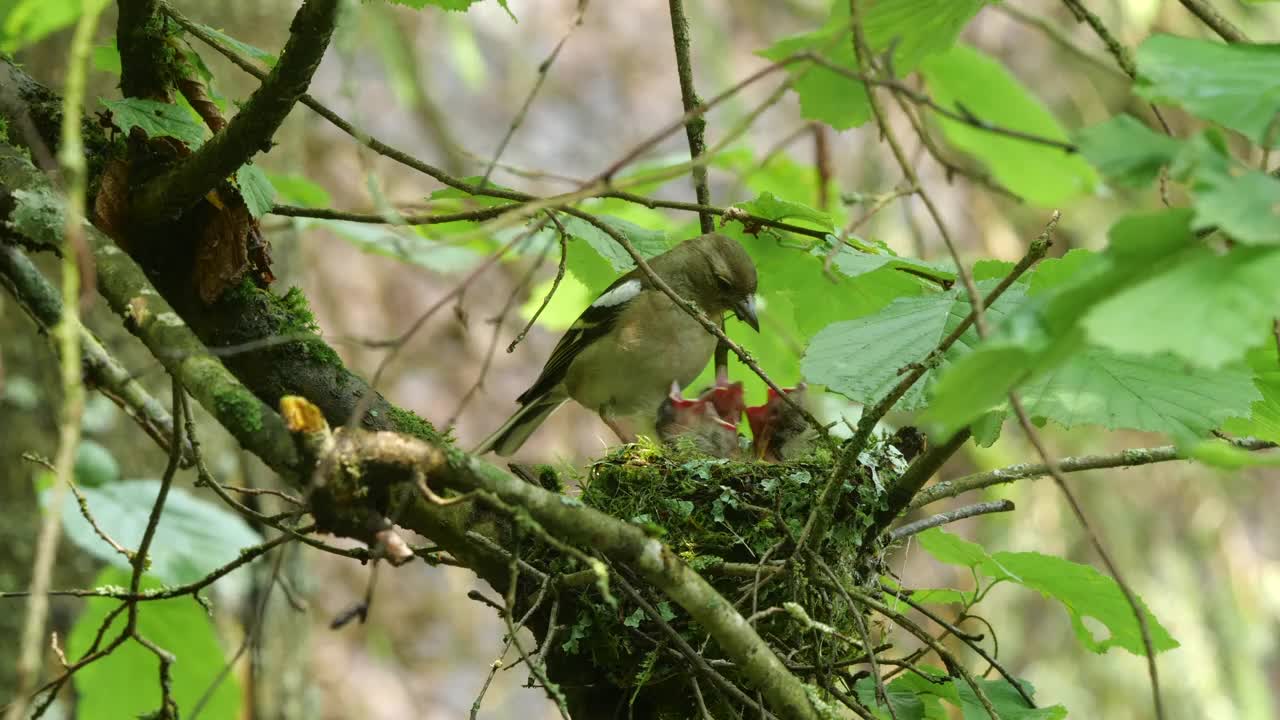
{"points": [[238, 409], [723, 518]]}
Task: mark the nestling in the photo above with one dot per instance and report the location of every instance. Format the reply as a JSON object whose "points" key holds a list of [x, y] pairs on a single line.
{"points": [[779, 432], [621, 356], [697, 422]]}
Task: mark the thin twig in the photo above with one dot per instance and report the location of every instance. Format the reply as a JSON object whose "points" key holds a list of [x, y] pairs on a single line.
{"points": [[555, 285], [951, 516], [487, 213], [1061, 481], [695, 128], [1132, 457], [544, 68], [1218, 22], [692, 656]]}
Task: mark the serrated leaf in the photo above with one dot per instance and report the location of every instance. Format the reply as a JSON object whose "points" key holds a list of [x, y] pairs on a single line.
{"points": [[1245, 207], [1081, 589], [1235, 85], [964, 79], [1158, 393], [1126, 151], [242, 48], [179, 626], [256, 189], [156, 119], [193, 538], [647, 242], [1264, 415], [914, 28], [860, 358], [1207, 310], [766, 205]]}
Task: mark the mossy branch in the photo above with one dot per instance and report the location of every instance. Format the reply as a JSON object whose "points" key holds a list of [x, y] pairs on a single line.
{"points": [[171, 193]]}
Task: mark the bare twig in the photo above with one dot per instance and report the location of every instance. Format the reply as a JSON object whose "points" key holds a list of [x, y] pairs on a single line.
{"points": [[951, 516], [555, 285], [1061, 481], [1218, 22], [544, 68], [695, 128], [1125, 458]]}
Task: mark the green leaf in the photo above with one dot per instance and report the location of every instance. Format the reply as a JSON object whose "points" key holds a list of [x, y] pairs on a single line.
{"points": [[400, 243], [647, 242], [106, 58], [766, 205], [26, 22], [852, 263], [951, 548], [1246, 207], [1081, 589], [1044, 332], [1156, 393], [1237, 86], [634, 619], [796, 299], [242, 48], [907, 705], [1207, 310], [95, 465], [1222, 454], [1084, 592], [1006, 700], [156, 119], [914, 28], [861, 358], [299, 190], [964, 79], [256, 189], [1264, 415], [1126, 151], [193, 538], [177, 625]]}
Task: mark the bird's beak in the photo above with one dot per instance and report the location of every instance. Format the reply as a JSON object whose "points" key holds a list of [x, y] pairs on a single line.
{"points": [[745, 309]]}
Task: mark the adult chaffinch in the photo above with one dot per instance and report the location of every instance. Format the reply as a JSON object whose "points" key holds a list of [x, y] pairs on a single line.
{"points": [[699, 422], [622, 354]]}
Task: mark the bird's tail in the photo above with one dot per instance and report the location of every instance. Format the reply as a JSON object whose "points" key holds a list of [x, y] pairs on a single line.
{"points": [[508, 438]]}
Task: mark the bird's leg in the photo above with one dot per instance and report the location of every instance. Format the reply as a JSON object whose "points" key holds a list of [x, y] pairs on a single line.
{"points": [[623, 433]]}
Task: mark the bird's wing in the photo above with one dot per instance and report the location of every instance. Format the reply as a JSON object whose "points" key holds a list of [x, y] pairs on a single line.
{"points": [[594, 322]]}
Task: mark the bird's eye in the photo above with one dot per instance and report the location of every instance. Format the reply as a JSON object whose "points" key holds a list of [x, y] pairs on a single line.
{"points": [[724, 282]]}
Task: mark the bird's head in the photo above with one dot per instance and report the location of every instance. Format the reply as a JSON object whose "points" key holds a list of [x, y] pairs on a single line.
{"points": [[723, 276]]}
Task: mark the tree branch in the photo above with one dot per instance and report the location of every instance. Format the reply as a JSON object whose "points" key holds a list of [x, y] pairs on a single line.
{"points": [[1218, 22], [696, 126], [251, 129], [620, 541], [102, 371], [1132, 457]]}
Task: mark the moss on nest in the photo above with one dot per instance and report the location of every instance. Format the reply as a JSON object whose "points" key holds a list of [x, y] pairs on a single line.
{"points": [[723, 517]]}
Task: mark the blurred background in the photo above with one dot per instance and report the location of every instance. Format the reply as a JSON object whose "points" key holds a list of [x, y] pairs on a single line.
{"points": [[1199, 545]]}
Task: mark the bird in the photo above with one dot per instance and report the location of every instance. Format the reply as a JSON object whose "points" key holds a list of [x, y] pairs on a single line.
{"points": [[622, 354], [699, 422], [780, 432]]}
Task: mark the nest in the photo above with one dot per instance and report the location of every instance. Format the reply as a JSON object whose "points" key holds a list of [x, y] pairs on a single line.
{"points": [[736, 523]]}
